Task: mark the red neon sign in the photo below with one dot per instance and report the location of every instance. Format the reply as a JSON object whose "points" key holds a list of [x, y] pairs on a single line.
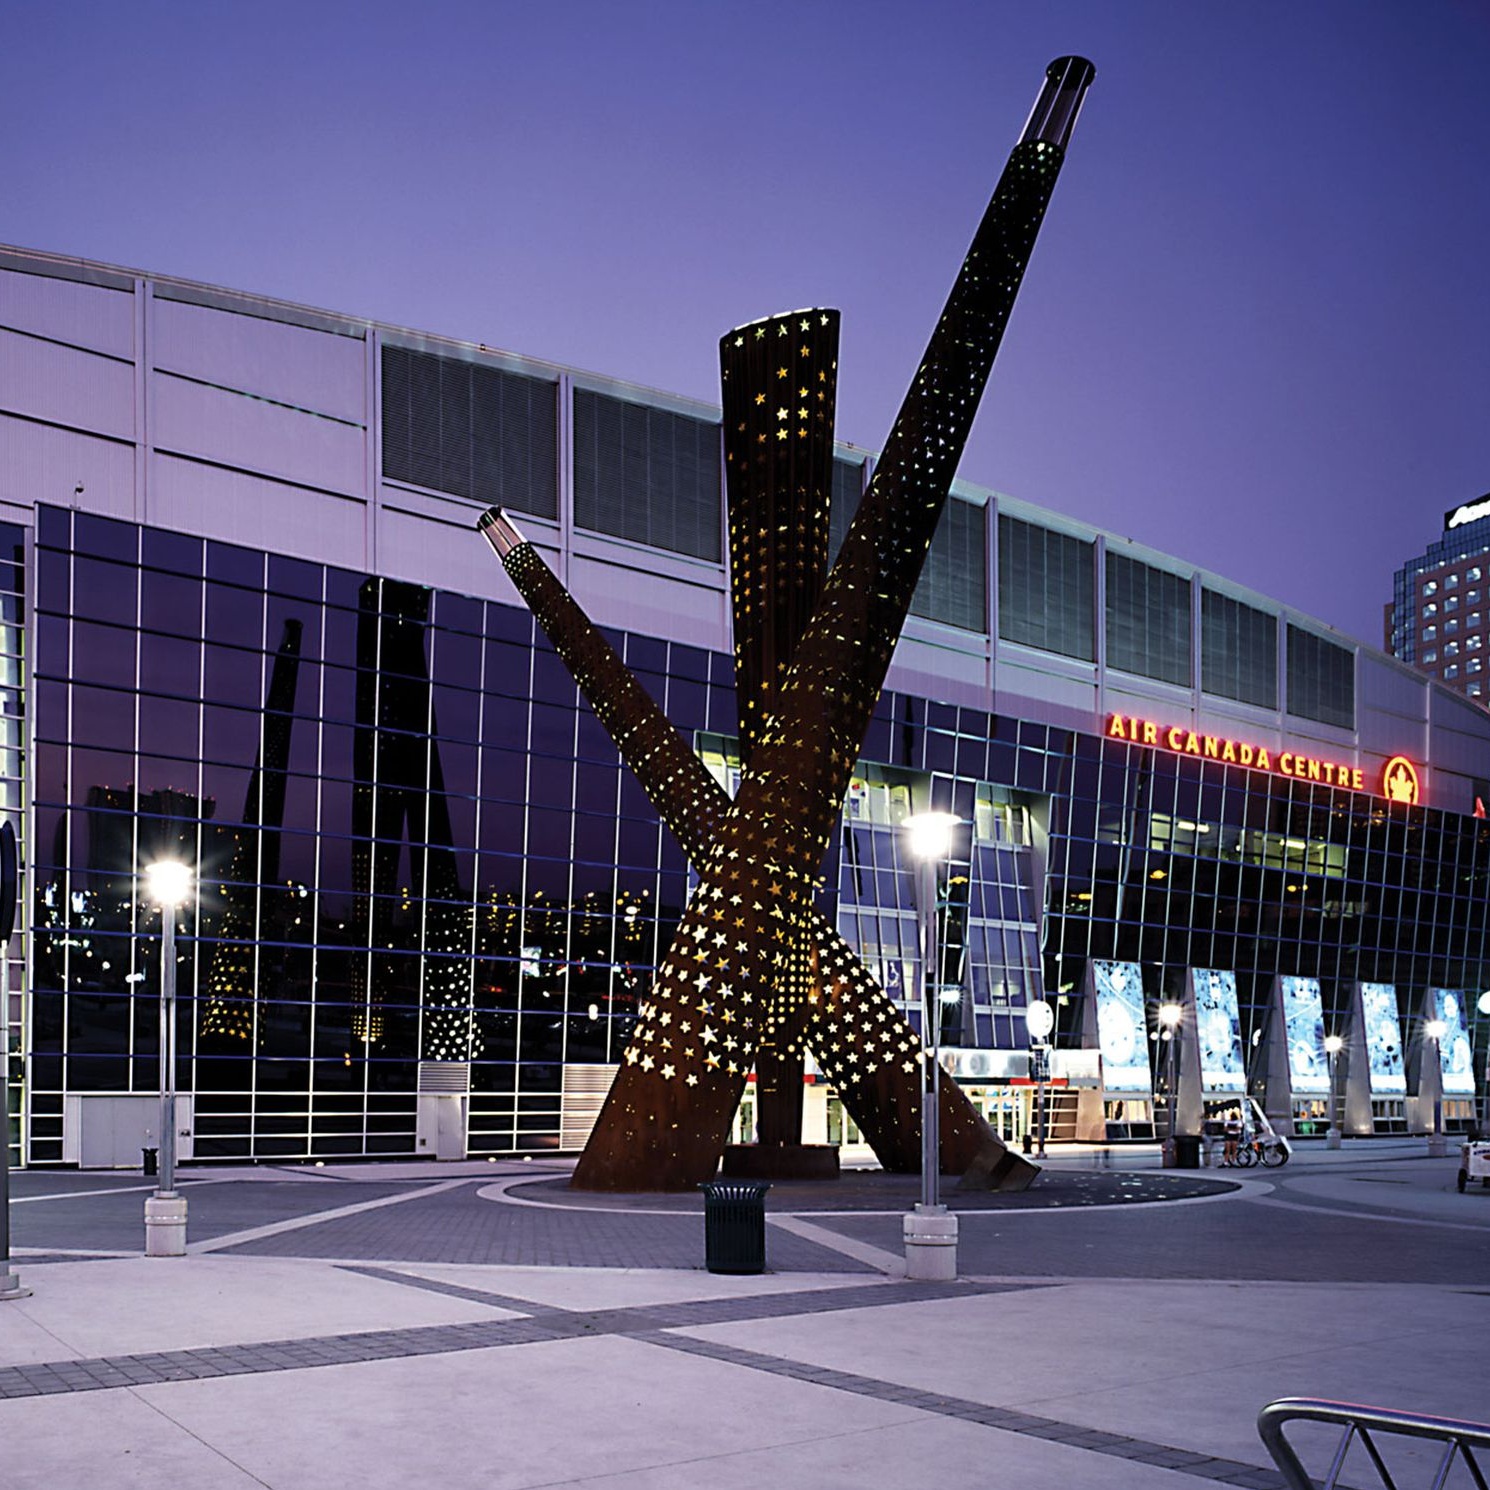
{"points": [[1399, 781]]}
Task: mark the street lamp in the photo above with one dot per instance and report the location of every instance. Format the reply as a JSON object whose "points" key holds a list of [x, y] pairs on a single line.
{"points": [[1483, 1005], [1333, 1045], [168, 883], [1436, 1029], [1170, 1016], [1040, 1018], [930, 1230]]}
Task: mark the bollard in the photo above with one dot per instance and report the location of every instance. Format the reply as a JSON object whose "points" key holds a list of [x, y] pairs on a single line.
{"points": [[930, 1233], [165, 1226]]}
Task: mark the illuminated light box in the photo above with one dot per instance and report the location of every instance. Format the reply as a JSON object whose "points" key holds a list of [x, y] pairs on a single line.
{"points": [[1303, 1022], [1455, 1059], [1218, 1030], [1383, 1039], [1122, 1034]]}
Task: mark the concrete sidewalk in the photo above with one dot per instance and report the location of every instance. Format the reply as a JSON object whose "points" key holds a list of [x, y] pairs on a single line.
{"points": [[231, 1372], [232, 1368]]}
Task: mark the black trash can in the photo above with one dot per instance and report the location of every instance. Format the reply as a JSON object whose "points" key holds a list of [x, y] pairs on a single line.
{"points": [[735, 1225], [1187, 1151], [150, 1161]]}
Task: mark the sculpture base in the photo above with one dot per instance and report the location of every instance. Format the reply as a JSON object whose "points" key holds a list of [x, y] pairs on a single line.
{"points": [[781, 1161]]}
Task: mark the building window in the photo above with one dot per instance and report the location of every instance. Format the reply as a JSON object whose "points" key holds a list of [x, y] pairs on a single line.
{"points": [[1452, 603], [1046, 589], [1238, 651], [1472, 619], [470, 429], [1452, 671], [1431, 609], [646, 474], [954, 582], [1431, 655], [1474, 665], [1473, 690], [1321, 679], [1474, 643], [1430, 587], [1451, 627], [953, 588], [1148, 620], [1451, 581], [1473, 574], [1430, 633], [1451, 650]]}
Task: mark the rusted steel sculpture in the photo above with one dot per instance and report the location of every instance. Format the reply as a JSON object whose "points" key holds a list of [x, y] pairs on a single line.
{"points": [[861, 1040], [779, 379], [667, 1117]]}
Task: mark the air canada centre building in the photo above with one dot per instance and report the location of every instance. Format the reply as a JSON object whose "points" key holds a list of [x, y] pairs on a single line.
{"points": [[247, 621]]}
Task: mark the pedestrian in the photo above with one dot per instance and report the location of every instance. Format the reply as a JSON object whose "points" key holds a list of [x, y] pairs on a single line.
{"points": [[1233, 1135]]}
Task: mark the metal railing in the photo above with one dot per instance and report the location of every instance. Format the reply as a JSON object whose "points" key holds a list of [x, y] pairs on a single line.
{"points": [[1459, 1440]]}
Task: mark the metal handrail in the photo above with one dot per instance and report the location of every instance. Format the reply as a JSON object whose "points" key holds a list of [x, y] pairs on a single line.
{"points": [[1460, 1439]]}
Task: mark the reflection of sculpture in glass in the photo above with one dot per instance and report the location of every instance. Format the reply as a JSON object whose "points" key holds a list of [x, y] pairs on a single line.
{"points": [[717, 990]]}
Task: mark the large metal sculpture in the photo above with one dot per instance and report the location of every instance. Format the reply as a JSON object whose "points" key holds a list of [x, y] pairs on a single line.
{"points": [[751, 949], [779, 379]]}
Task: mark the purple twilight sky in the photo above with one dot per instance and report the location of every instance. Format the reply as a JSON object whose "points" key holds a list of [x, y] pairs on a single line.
{"points": [[1255, 333]]}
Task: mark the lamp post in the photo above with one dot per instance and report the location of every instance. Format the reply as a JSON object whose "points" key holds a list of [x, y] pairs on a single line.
{"points": [[930, 1230], [1482, 1004], [168, 883], [1435, 1030], [1170, 1015], [1333, 1045], [1040, 1018]]}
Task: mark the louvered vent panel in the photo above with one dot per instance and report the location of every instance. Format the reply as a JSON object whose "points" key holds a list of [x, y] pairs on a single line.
{"points": [[580, 1100], [445, 1078], [470, 429], [647, 475]]}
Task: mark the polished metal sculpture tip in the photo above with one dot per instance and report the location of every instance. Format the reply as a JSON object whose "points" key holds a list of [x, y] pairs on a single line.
{"points": [[1054, 115], [500, 531]]}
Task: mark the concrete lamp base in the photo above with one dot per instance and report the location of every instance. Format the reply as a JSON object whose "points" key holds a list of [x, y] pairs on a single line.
{"points": [[1438, 1145], [165, 1226], [11, 1288], [931, 1244]]}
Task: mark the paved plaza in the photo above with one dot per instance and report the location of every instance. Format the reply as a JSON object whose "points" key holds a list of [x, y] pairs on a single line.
{"points": [[478, 1324]]}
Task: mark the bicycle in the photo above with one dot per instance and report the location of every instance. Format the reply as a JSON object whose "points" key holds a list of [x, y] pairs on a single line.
{"points": [[1270, 1151]]}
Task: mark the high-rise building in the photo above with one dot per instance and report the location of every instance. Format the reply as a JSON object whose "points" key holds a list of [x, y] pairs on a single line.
{"points": [[1439, 618]]}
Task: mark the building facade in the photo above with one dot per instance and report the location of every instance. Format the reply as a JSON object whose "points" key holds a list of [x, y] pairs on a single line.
{"points": [[245, 620], [1439, 618]]}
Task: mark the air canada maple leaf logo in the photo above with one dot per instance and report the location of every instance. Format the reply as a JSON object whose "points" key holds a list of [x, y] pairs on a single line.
{"points": [[1399, 781]]}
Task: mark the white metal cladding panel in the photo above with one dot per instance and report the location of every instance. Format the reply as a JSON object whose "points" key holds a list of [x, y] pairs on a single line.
{"points": [[1025, 689], [947, 674], [1460, 737], [41, 464], [1387, 688], [445, 555], [85, 315], [240, 431], [65, 386], [296, 365], [1384, 735], [632, 600], [253, 510]]}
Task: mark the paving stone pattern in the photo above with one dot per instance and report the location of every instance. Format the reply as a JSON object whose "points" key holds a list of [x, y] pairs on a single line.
{"points": [[116, 1221], [458, 1226], [652, 1324]]}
